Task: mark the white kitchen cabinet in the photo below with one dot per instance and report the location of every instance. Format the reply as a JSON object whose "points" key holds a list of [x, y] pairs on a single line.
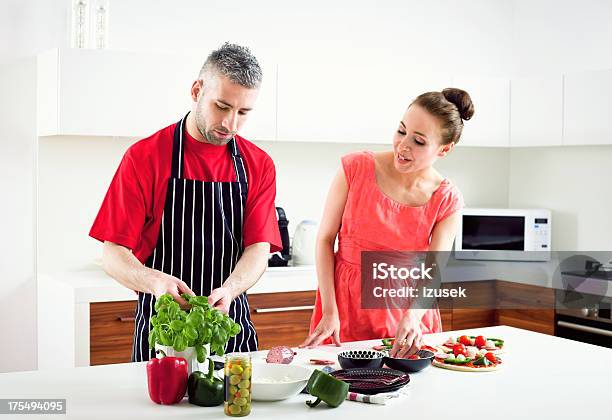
{"points": [[587, 108], [490, 125], [117, 93], [346, 102], [536, 111]]}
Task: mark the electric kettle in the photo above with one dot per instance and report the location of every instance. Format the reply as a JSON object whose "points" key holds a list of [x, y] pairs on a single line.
{"points": [[304, 239]]}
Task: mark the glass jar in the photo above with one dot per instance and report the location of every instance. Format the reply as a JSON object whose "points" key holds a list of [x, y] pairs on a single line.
{"points": [[237, 374], [80, 24]]}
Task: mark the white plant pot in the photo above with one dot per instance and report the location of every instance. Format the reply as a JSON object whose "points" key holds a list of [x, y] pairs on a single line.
{"points": [[188, 354]]}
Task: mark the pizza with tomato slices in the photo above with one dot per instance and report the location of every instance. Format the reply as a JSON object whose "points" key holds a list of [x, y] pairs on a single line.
{"points": [[475, 343], [469, 354]]}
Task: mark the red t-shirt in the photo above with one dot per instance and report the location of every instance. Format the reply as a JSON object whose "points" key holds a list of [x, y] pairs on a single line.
{"points": [[131, 212]]}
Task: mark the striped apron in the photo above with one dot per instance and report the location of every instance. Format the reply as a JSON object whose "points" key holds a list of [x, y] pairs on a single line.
{"points": [[199, 242]]}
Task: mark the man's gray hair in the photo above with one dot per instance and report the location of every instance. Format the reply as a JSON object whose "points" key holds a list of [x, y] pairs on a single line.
{"points": [[235, 62]]}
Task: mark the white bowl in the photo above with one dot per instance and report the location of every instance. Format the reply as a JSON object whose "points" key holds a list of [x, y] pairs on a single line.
{"points": [[274, 382]]}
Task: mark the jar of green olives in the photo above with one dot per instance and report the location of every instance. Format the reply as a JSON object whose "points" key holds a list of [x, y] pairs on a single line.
{"points": [[237, 373]]}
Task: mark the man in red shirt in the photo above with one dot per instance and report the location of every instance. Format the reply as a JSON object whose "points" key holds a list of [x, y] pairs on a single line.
{"points": [[191, 208]]}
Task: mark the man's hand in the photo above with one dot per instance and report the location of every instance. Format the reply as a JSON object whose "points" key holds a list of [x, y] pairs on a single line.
{"points": [[162, 283], [221, 299]]}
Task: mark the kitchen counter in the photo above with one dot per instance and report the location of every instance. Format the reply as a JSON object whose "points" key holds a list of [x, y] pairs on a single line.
{"points": [[94, 285], [64, 298], [542, 377]]}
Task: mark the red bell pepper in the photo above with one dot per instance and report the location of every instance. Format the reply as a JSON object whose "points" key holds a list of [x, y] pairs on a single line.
{"points": [[167, 378]]}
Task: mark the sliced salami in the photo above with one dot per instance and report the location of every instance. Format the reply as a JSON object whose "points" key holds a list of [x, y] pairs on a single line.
{"points": [[281, 354]]}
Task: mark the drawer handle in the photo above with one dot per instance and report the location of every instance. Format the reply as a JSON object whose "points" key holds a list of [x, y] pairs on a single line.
{"points": [[130, 318], [284, 309], [584, 328]]}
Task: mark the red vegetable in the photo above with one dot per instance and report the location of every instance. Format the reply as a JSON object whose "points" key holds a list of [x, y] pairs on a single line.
{"points": [[167, 379], [491, 357], [413, 357], [465, 340], [480, 341], [459, 349]]}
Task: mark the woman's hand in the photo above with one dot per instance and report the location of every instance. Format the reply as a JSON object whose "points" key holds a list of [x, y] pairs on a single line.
{"points": [[329, 326], [409, 337]]}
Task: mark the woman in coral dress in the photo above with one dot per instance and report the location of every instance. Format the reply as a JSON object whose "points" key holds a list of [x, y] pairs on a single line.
{"points": [[385, 201]]}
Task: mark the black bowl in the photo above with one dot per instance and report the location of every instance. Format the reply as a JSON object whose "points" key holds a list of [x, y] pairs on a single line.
{"points": [[361, 359], [410, 365]]}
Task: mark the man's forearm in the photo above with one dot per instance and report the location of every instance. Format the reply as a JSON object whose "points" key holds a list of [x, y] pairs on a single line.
{"points": [[119, 263], [249, 268]]}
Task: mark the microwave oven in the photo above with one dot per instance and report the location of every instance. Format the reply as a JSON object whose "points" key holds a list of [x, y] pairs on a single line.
{"points": [[503, 234]]}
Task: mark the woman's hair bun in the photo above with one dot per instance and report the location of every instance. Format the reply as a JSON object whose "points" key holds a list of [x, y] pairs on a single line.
{"points": [[462, 101]]}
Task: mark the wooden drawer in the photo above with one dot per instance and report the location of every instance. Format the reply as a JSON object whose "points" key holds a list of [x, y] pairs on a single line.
{"points": [[282, 319], [524, 296], [538, 320], [111, 327], [464, 318], [525, 306], [447, 319]]}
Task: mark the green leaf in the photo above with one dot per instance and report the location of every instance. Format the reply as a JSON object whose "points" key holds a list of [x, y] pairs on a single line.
{"points": [[195, 319], [177, 325], [201, 301], [152, 338], [207, 336], [173, 310], [198, 309], [179, 343], [201, 353], [218, 316], [165, 338], [236, 328], [190, 333], [219, 349], [162, 318], [223, 337], [154, 321]]}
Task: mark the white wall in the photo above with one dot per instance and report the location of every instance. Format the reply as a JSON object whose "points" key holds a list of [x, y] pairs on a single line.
{"points": [[574, 183], [472, 36], [18, 310], [85, 165], [28, 27]]}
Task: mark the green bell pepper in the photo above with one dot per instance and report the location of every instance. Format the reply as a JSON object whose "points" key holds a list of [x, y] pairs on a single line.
{"points": [[205, 390], [482, 361], [326, 388], [455, 361]]}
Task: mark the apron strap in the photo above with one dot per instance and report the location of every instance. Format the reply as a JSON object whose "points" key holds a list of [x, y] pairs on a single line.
{"points": [[178, 157], [178, 149], [241, 175]]}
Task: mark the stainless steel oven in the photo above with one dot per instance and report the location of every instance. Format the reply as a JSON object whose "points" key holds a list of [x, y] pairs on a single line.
{"points": [[587, 321]]}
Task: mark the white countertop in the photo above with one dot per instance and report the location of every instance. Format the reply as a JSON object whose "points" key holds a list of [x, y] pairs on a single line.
{"points": [[94, 285], [542, 377]]}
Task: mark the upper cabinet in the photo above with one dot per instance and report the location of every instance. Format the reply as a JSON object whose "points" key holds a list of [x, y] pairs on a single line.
{"points": [[346, 102], [116, 93], [536, 111], [587, 108], [490, 125], [111, 93], [134, 94]]}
